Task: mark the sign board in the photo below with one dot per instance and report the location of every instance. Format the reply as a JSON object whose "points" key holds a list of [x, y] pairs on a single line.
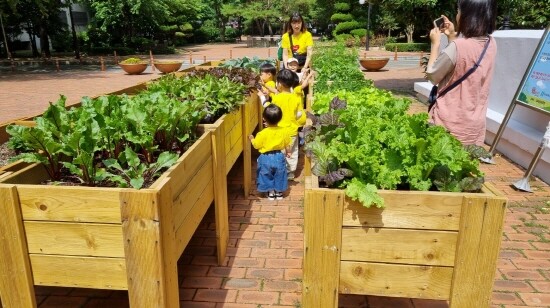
{"points": [[534, 90]]}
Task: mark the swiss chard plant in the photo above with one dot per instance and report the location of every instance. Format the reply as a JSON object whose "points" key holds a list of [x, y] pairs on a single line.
{"points": [[109, 140], [217, 94]]}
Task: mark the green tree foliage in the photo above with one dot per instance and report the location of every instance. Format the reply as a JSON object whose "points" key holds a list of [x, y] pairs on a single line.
{"points": [[128, 22]]}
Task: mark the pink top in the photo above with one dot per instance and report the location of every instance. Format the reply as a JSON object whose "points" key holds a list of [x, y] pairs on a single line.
{"points": [[462, 110]]}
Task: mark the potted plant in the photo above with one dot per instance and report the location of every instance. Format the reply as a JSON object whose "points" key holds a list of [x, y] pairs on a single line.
{"points": [[133, 66], [167, 66]]}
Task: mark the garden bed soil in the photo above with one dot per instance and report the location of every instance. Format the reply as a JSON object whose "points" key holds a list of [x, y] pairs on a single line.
{"points": [[5, 154]]}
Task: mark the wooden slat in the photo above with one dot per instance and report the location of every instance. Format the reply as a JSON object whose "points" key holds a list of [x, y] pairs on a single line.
{"points": [[168, 242], [77, 239], [30, 174], [189, 164], [16, 283], [410, 281], [232, 156], [189, 225], [247, 149], [183, 204], [408, 209], [478, 245], [81, 204], [144, 248], [322, 242], [220, 193], [420, 247], [82, 272]]}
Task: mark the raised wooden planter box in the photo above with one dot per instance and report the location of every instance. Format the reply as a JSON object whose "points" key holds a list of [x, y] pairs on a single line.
{"points": [[431, 245], [107, 238]]}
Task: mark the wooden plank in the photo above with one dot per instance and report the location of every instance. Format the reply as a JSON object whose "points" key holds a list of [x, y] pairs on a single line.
{"points": [[232, 156], [80, 204], [490, 239], [168, 241], [420, 247], [30, 174], [189, 225], [82, 272], [247, 149], [188, 164], [193, 193], [16, 283], [220, 193], [477, 251], [322, 242], [77, 239], [409, 281], [408, 209], [143, 247]]}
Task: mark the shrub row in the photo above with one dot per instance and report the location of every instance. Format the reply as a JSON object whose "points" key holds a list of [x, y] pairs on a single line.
{"points": [[408, 46]]}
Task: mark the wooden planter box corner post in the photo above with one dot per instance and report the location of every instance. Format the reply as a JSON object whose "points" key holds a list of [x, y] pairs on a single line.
{"points": [[430, 245], [106, 238]]}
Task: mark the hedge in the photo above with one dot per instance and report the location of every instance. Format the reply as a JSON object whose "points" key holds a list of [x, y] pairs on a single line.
{"points": [[408, 46]]}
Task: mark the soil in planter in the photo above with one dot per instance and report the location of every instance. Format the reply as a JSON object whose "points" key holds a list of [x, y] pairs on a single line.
{"points": [[5, 154]]}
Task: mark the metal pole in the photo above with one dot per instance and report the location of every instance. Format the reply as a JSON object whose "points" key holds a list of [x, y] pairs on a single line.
{"points": [[368, 28]]}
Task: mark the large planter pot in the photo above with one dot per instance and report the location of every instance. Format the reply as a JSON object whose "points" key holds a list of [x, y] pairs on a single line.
{"points": [[133, 69], [373, 63], [107, 238], [167, 66], [430, 245]]}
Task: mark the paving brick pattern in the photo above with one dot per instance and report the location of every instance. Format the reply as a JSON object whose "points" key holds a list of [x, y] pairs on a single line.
{"points": [[263, 267]]}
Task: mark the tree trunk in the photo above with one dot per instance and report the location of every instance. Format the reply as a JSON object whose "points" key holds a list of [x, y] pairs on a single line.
{"points": [[409, 31], [44, 39], [270, 29], [76, 46], [32, 38]]}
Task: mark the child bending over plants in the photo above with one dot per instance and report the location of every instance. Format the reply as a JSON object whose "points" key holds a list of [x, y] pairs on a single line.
{"points": [[271, 173]]}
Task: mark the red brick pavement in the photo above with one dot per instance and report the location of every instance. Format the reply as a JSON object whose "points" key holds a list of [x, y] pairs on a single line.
{"points": [[263, 265]]}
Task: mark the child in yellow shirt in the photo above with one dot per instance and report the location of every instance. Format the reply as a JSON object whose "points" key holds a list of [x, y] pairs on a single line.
{"points": [[293, 114], [267, 79], [271, 173]]}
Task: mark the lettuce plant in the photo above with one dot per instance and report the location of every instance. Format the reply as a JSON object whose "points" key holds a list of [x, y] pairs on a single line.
{"points": [[367, 141]]}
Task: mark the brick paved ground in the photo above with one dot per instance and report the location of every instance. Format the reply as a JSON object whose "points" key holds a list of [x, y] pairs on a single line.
{"points": [[263, 267]]}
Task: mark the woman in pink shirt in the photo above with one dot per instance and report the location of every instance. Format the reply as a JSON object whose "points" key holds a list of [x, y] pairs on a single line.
{"points": [[463, 109]]}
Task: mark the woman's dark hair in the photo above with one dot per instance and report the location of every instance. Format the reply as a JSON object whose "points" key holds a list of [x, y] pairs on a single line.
{"points": [[272, 114], [293, 18], [268, 68], [286, 78], [477, 17]]}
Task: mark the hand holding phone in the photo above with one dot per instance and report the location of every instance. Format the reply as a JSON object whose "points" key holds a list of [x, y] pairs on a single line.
{"points": [[439, 22]]}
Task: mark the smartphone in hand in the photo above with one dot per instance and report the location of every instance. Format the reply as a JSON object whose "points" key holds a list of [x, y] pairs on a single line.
{"points": [[439, 22]]}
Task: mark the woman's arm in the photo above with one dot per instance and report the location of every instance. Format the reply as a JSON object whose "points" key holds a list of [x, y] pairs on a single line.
{"points": [[308, 57]]}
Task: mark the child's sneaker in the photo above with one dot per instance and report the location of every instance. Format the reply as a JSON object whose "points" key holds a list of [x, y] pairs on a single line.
{"points": [[271, 195], [290, 176], [279, 196]]}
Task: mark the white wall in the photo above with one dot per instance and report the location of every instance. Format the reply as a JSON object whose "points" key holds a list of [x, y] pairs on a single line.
{"points": [[526, 127]]}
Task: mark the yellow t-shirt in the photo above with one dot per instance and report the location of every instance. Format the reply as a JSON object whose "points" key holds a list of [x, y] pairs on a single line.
{"points": [[300, 43], [271, 85], [290, 104], [271, 139]]}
